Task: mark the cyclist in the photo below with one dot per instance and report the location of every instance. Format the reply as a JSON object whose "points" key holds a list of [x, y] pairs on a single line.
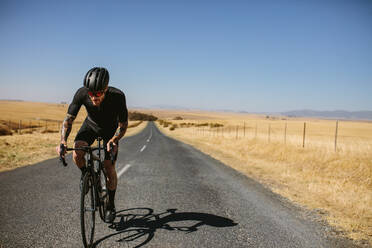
{"points": [[107, 118]]}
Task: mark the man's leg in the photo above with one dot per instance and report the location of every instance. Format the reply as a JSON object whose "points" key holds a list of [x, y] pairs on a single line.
{"points": [[111, 174], [79, 159], [85, 137], [78, 156], [111, 186]]}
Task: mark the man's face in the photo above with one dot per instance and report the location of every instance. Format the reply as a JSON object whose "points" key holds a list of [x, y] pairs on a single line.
{"points": [[97, 97]]}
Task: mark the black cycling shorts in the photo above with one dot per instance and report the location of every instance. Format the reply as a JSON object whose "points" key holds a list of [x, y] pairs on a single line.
{"points": [[89, 133]]}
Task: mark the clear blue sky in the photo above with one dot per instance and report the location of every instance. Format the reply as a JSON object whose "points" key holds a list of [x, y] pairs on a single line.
{"points": [[241, 55]]}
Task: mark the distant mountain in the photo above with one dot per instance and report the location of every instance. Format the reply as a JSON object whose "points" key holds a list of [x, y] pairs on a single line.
{"points": [[337, 114], [165, 106], [11, 100]]}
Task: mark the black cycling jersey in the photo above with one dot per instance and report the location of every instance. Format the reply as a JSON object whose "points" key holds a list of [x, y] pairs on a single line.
{"points": [[113, 109]]}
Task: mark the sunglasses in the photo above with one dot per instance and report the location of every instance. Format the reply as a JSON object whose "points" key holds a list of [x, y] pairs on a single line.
{"points": [[96, 94]]}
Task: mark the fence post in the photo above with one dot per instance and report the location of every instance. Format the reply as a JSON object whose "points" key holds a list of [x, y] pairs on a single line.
{"points": [[244, 129], [303, 142], [255, 136], [336, 135], [285, 134]]}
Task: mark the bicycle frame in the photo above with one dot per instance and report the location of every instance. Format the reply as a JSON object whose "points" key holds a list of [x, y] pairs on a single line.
{"points": [[94, 172]]}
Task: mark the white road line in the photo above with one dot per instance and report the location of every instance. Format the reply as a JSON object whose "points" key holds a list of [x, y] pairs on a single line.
{"points": [[148, 140], [125, 168], [143, 148]]}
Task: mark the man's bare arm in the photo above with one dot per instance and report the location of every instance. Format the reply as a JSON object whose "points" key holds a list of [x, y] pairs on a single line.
{"points": [[121, 131], [66, 128]]}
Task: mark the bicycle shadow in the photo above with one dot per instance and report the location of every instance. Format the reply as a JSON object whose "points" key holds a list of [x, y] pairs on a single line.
{"points": [[137, 226]]}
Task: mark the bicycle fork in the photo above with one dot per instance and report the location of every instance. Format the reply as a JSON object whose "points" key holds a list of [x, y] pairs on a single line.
{"points": [[94, 191]]}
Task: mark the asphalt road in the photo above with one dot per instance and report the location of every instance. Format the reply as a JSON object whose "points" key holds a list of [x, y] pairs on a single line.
{"points": [[169, 195]]}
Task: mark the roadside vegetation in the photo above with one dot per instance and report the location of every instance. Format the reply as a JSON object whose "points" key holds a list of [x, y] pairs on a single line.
{"points": [[137, 116], [172, 126], [335, 184]]}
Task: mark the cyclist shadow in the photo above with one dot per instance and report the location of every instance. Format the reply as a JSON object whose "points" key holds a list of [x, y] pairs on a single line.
{"points": [[137, 226]]}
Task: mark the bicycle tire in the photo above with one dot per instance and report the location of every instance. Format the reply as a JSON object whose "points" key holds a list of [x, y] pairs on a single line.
{"points": [[103, 194], [87, 210]]}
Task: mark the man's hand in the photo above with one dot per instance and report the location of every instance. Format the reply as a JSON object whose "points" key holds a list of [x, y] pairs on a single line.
{"points": [[58, 149], [118, 135], [115, 145]]}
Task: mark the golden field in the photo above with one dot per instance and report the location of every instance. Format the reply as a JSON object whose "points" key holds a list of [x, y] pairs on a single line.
{"points": [[337, 185], [40, 132]]}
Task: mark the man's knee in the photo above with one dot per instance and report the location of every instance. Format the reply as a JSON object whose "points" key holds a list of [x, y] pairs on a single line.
{"points": [[79, 155]]}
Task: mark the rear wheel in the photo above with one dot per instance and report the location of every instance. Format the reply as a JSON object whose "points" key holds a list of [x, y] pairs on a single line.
{"points": [[87, 210]]}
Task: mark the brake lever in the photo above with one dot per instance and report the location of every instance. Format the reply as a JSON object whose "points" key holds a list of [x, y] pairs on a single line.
{"points": [[62, 151]]}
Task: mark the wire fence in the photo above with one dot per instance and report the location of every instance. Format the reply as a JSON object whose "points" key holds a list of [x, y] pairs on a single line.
{"points": [[29, 126], [305, 134]]}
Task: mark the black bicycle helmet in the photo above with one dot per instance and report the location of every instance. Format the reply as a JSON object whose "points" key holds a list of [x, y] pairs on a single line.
{"points": [[96, 79]]}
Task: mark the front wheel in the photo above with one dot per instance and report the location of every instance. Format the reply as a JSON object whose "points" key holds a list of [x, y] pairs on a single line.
{"points": [[87, 210], [103, 194]]}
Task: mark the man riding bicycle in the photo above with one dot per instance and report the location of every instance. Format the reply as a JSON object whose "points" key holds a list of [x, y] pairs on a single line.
{"points": [[107, 110]]}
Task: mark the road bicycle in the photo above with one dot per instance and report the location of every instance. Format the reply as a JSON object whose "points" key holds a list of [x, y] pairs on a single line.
{"points": [[94, 194]]}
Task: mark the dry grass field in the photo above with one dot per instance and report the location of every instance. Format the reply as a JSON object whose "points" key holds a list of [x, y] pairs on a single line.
{"points": [[39, 136], [337, 185]]}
